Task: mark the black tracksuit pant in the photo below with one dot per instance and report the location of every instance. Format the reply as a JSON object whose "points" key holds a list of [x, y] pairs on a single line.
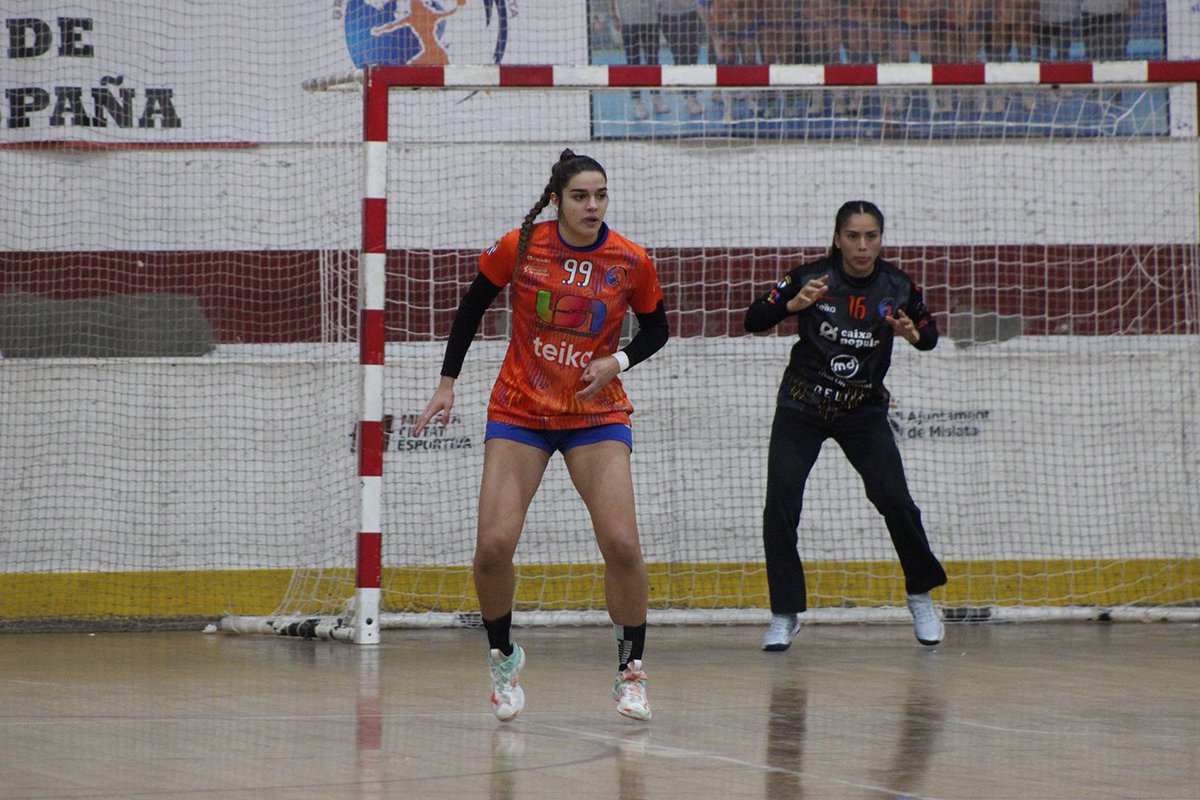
{"points": [[866, 438]]}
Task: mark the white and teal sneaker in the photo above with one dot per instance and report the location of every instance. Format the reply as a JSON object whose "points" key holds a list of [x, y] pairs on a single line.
{"points": [[780, 632], [629, 690], [508, 698], [926, 622]]}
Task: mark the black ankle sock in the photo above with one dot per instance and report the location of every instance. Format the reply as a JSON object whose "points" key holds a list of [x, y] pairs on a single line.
{"points": [[631, 641], [499, 633]]}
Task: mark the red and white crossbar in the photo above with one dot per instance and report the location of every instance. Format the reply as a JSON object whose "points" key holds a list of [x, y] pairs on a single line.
{"points": [[458, 76]]}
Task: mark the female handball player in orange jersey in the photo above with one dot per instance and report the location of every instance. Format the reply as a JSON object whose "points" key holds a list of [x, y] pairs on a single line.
{"points": [[573, 279]]}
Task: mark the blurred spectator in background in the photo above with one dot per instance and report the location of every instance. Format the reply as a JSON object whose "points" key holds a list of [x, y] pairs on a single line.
{"points": [[964, 34], [821, 32], [776, 23], [1058, 23], [921, 25], [732, 32], [1011, 37], [866, 32], [731, 29], [1107, 28], [637, 22], [683, 31], [1011, 34]]}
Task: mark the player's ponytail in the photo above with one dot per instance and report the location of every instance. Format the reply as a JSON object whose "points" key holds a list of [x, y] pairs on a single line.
{"points": [[848, 210], [568, 166]]}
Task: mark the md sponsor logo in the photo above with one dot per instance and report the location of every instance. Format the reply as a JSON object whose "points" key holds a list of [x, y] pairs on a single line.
{"points": [[844, 366]]}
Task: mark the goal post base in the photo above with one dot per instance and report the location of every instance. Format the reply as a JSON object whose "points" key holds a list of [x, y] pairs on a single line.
{"points": [[335, 628]]}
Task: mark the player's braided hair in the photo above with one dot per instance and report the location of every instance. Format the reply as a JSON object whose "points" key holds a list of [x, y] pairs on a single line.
{"points": [[568, 166], [848, 210]]}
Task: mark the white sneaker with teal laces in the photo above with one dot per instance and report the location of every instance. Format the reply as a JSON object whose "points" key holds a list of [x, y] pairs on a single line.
{"points": [[629, 690], [926, 622], [508, 698], [780, 632]]}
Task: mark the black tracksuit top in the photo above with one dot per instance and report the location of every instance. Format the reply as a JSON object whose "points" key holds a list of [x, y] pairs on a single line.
{"points": [[845, 347]]}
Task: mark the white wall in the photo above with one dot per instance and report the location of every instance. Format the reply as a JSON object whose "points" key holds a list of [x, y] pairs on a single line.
{"points": [[1034, 448], [686, 195]]}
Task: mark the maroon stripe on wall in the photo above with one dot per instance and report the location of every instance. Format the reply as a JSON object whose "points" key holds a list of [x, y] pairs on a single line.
{"points": [[276, 296]]}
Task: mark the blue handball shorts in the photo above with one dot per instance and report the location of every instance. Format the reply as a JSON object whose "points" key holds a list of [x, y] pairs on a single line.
{"points": [[563, 440]]}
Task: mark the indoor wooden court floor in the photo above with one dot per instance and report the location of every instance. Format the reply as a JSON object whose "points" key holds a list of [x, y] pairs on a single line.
{"points": [[1079, 710]]}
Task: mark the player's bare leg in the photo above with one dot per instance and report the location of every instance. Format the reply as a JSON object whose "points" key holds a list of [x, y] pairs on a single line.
{"points": [[512, 472], [602, 476]]}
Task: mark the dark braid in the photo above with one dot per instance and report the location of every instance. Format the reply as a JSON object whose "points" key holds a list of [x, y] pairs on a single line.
{"points": [[850, 209], [568, 166]]}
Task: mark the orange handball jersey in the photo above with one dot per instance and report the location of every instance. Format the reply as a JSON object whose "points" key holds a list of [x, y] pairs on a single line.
{"points": [[567, 308]]}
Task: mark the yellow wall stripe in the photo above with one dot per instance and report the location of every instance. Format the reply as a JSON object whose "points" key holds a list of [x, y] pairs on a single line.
{"points": [[214, 593]]}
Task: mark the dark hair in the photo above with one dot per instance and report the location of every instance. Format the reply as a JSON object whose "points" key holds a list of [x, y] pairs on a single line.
{"points": [[848, 210], [568, 166]]}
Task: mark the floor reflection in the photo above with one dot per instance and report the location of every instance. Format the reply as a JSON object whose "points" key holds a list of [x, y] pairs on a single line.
{"points": [[508, 745], [787, 723], [368, 727], [918, 734], [631, 767]]}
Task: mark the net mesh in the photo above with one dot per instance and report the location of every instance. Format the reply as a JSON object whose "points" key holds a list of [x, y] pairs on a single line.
{"points": [[1061, 272], [187, 408]]}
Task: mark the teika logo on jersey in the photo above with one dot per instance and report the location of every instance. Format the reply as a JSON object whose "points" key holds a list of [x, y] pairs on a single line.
{"points": [[563, 353]]}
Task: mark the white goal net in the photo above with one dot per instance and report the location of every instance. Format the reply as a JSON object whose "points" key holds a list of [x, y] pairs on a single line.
{"points": [[190, 443]]}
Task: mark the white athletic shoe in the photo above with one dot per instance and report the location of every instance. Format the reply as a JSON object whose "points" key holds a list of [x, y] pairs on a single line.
{"points": [[508, 698], [926, 622], [629, 690], [781, 631]]}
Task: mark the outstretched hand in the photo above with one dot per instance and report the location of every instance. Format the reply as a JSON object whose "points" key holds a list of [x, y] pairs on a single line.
{"points": [[442, 401], [903, 327], [810, 293], [597, 374]]}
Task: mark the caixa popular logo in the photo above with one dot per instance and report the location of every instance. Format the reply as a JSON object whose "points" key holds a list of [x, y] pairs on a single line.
{"points": [[393, 32], [844, 366], [571, 312]]}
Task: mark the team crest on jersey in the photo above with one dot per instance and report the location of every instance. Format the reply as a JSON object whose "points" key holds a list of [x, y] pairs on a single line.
{"points": [[615, 276], [886, 305]]}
